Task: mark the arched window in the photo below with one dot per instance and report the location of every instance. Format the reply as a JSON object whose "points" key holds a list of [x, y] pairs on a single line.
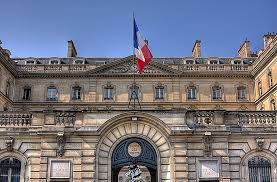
{"points": [[259, 170], [8, 89], [189, 62], [270, 81], [52, 93], [273, 105], [241, 93], [10, 170], [216, 93], [191, 93]]}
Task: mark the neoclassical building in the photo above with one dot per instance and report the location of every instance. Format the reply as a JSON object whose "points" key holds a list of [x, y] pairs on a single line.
{"points": [[192, 119]]}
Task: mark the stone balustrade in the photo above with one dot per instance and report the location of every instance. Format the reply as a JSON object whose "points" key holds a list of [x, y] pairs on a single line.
{"points": [[257, 119], [66, 68], [15, 119], [65, 118]]}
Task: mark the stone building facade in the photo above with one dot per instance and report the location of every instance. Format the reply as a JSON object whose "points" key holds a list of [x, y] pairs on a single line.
{"points": [[197, 119]]}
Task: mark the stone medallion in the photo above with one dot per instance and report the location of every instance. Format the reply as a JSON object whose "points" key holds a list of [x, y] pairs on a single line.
{"points": [[134, 149]]}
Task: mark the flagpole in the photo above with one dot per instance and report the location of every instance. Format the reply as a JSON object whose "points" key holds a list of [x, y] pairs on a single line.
{"points": [[134, 94]]}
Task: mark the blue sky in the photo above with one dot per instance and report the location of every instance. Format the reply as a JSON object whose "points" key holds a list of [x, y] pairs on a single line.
{"points": [[103, 28]]}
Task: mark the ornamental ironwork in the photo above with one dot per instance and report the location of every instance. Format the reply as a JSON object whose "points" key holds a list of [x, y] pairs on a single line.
{"points": [[146, 155]]}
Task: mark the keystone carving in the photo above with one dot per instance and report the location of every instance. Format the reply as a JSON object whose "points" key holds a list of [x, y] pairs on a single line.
{"points": [[61, 140], [9, 143], [260, 143]]}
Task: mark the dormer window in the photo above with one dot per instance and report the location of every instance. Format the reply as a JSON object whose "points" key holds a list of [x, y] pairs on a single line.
{"points": [[238, 62], [54, 62], [79, 61], [213, 62], [30, 62], [189, 62]]}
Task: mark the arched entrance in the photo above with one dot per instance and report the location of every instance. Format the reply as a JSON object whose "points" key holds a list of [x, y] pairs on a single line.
{"points": [[134, 151]]}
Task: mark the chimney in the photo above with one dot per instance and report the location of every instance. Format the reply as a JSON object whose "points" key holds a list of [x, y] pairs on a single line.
{"points": [[196, 50], [71, 51], [268, 38], [244, 50]]}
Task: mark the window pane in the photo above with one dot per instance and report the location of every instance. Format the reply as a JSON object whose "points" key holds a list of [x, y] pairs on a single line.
{"points": [[159, 92], [134, 91], [241, 93], [27, 94], [192, 93], [76, 93], [216, 93], [52, 93], [108, 93]]}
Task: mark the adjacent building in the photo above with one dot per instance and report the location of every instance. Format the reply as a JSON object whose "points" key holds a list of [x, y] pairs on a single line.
{"points": [[195, 118]]}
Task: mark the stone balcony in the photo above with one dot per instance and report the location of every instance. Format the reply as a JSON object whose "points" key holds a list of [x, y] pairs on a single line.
{"points": [[204, 119]]}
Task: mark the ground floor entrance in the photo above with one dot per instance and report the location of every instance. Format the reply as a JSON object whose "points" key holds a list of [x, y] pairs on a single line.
{"points": [[134, 158]]}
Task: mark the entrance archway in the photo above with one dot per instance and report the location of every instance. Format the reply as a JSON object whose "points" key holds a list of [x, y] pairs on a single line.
{"points": [[134, 151]]}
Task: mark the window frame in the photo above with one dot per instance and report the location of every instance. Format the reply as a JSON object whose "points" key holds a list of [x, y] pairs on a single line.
{"points": [[158, 95], [221, 93], [111, 92], [188, 92], [239, 88], [138, 92], [244, 170], [26, 87], [73, 89], [47, 93]]}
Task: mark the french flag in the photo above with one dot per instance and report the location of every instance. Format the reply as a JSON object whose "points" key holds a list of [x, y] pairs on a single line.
{"points": [[142, 52]]}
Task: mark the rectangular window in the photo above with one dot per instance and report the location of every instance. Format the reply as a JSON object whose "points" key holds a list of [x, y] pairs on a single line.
{"points": [[159, 92], [241, 93], [76, 93], [52, 93], [217, 93], [191, 93], [108, 93], [134, 92], [27, 94]]}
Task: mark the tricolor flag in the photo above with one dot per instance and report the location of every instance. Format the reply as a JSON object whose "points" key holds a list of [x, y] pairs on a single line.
{"points": [[142, 52]]}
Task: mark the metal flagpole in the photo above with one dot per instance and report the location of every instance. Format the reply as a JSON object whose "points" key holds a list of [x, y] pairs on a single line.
{"points": [[134, 95]]}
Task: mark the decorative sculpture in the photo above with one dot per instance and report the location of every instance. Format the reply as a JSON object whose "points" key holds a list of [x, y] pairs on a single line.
{"points": [[61, 139], [260, 143], [134, 174], [9, 143]]}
